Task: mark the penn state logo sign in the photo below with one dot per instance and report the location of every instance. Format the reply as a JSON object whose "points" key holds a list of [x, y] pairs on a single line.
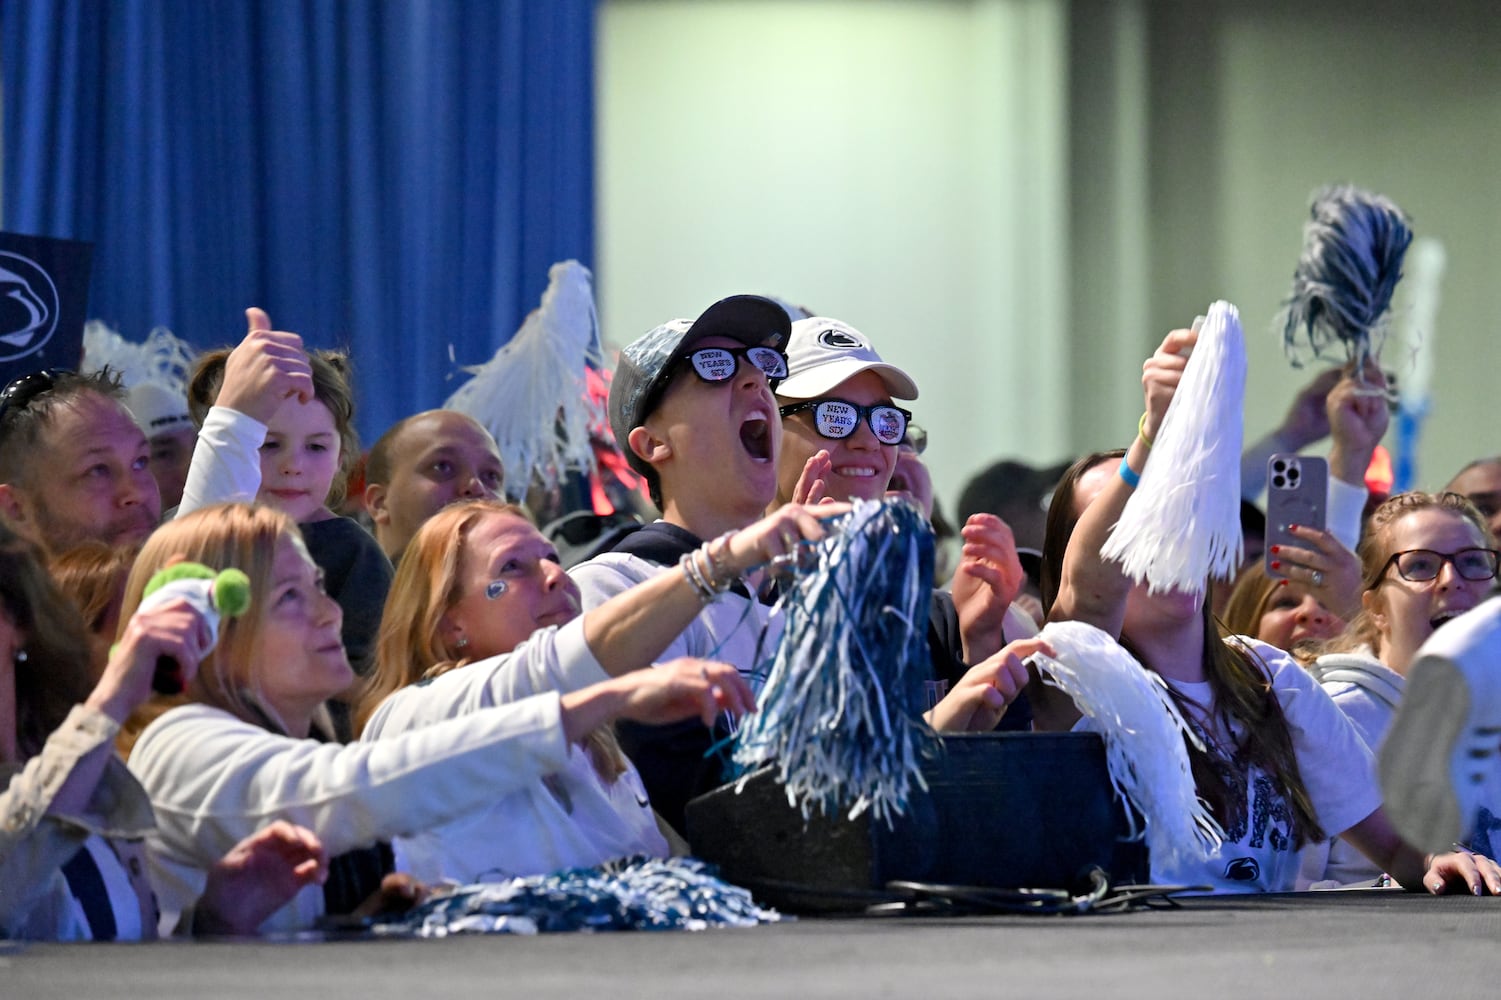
{"points": [[841, 339], [44, 295], [29, 306]]}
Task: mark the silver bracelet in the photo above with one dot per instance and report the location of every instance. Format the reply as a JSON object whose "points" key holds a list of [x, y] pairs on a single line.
{"points": [[695, 577], [716, 575]]}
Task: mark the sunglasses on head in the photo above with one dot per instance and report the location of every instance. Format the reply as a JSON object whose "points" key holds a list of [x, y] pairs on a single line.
{"points": [[838, 418], [719, 364], [21, 391]]}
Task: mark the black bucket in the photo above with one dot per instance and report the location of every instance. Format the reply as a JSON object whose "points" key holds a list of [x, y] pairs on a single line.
{"points": [[1002, 810]]}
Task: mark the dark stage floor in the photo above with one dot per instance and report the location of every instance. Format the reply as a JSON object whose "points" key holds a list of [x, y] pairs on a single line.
{"points": [[1364, 945]]}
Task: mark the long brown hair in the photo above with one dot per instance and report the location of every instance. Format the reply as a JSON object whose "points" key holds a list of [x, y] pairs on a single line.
{"points": [[1375, 550], [55, 673], [411, 646], [1239, 682]]}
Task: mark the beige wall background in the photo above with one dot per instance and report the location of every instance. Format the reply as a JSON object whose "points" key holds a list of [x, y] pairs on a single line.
{"points": [[1015, 198]]}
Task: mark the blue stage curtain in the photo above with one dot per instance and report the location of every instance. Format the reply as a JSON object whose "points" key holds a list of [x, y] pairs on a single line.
{"points": [[391, 176]]}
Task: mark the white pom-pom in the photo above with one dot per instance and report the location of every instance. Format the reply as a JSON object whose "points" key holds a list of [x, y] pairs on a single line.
{"points": [[163, 358], [532, 395], [1143, 730], [1182, 525]]}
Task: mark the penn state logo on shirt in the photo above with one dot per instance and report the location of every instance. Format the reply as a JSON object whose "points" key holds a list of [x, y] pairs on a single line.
{"points": [[28, 306], [1243, 870], [840, 339]]}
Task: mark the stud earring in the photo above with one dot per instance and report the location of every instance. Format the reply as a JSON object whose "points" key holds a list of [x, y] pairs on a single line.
{"points": [[462, 642], [20, 656]]}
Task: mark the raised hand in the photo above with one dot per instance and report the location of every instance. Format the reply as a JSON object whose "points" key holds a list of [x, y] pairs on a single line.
{"points": [[989, 577], [265, 369], [980, 699], [1160, 375], [814, 478], [173, 630], [683, 688], [1307, 419], [1331, 572], [779, 534], [1358, 417]]}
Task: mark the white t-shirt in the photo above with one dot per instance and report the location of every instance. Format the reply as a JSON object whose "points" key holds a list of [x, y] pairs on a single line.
{"points": [[1259, 853]]}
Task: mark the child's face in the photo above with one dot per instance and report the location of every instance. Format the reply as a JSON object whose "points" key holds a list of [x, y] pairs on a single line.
{"points": [[299, 459]]}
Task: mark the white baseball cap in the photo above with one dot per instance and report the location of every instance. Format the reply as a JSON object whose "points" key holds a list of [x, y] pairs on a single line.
{"points": [[823, 352]]}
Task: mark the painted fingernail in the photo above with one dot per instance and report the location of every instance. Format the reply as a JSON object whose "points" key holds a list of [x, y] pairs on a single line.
{"points": [[1283, 583], [1276, 565], [1293, 527], [1276, 549]]}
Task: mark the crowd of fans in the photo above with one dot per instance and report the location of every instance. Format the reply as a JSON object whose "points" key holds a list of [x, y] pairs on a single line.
{"points": [[428, 688]]}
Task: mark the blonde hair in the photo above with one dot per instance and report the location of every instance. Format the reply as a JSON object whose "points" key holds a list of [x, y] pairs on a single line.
{"points": [[238, 535], [1248, 601], [426, 586], [1375, 550]]}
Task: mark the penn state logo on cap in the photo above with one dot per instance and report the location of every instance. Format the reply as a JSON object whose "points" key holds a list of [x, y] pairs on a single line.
{"points": [[823, 352], [842, 338], [28, 306]]}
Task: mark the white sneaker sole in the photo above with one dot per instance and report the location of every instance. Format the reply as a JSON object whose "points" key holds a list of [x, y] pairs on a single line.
{"points": [[1418, 764]]}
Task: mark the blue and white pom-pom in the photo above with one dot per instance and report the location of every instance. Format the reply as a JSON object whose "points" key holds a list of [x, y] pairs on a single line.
{"points": [[840, 714], [637, 894], [532, 395], [1130, 707], [1353, 246], [1182, 524]]}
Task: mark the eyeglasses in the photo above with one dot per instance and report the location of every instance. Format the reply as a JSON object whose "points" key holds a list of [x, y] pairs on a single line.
{"points": [[719, 364], [838, 418], [916, 440], [21, 391], [1423, 565]]}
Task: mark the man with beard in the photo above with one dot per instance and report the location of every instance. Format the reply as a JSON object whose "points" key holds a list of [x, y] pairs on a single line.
{"points": [[73, 464]]}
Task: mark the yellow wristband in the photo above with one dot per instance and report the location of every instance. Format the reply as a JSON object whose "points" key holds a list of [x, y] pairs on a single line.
{"points": [[1141, 431]]}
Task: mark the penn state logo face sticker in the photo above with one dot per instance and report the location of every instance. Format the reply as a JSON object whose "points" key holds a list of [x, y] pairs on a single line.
{"points": [[28, 306], [841, 339]]}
